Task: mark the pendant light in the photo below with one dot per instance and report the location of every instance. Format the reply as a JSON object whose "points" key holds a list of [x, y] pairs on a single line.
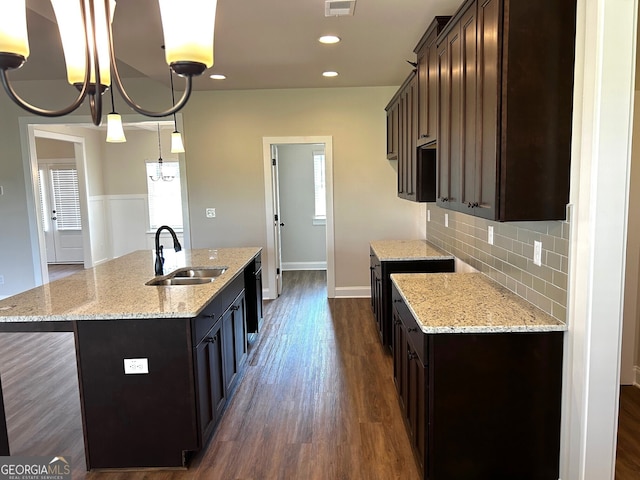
{"points": [[176, 139], [88, 46], [159, 173], [115, 132]]}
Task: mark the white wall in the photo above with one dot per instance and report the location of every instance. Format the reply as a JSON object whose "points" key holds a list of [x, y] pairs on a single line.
{"points": [[303, 242]]}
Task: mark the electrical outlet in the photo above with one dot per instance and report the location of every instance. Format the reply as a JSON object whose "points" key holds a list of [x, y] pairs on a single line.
{"points": [[446, 219], [428, 215], [1, 279], [490, 235], [136, 366], [537, 253], [211, 212]]}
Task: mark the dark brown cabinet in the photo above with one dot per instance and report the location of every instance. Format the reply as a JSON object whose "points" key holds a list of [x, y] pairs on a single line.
{"points": [[416, 167], [234, 339], [210, 386], [381, 286], [505, 89], [253, 287], [481, 406], [427, 101]]}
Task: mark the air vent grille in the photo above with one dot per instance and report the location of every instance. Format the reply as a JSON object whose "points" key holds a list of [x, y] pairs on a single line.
{"points": [[339, 8]]}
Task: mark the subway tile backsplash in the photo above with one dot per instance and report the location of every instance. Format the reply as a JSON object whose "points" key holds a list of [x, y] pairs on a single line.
{"points": [[509, 261]]}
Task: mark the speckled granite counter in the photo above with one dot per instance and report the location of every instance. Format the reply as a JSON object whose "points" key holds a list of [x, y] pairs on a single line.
{"points": [[469, 303], [392, 250], [117, 290]]}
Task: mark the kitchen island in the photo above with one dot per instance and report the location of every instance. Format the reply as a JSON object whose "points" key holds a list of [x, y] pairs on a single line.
{"points": [[157, 365], [478, 372]]}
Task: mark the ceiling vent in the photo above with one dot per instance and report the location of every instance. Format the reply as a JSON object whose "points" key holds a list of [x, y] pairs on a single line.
{"points": [[339, 8]]}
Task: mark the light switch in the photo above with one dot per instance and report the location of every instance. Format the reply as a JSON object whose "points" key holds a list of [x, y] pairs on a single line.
{"points": [[136, 366]]}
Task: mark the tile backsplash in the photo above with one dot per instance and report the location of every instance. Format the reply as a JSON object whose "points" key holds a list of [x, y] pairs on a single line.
{"points": [[509, 261]]}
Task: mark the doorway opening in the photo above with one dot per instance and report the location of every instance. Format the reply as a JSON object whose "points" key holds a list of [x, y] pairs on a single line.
{"points": [[302, 228]]}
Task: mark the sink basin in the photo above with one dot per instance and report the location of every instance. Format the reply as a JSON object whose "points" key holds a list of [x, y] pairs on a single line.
{"points": [[180, 281], [208, 272], [188, 276]]}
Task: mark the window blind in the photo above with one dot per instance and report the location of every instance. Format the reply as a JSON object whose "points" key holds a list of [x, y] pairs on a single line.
{"points": [[66, 198]]}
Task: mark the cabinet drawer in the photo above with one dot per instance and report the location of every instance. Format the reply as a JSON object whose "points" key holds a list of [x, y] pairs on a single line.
{"points": [[201, 324], [375, 263], [415, 336]]}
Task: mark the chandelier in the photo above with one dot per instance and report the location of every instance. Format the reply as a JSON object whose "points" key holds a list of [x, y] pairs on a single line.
{"points": [[85, 28]]}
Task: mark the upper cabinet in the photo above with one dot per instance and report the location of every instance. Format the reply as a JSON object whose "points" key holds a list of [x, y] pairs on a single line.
{"points": [[427, 60], [505, 90]]}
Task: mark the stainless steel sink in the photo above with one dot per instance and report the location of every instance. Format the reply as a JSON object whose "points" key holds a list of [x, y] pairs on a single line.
{"points": [[208, 272], [188, 276], [180, 281]]}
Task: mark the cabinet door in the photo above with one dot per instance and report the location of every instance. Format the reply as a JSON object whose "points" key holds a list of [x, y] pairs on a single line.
{"points": [[416, 404], [487, 131], [449, 123], [234, 340], [427, 90], [392, 130], [467, 109], [399, 358], [210, 386]]}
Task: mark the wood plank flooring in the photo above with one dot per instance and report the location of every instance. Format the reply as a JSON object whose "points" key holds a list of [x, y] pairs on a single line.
{"points": [[628, 453], [317, 399]]}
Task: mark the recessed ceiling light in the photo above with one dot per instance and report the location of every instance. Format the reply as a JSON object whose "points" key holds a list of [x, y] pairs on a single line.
{"points": [[329, 74], [217, 76], [328, 39]]}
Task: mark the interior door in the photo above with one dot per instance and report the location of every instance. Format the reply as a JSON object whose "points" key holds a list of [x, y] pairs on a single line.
{"points": [[60, 210], [277, 221]]}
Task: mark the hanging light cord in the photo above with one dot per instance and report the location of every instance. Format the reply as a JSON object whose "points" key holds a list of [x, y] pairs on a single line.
{"points": [[113, 106], [173, 101], [159, 146]]}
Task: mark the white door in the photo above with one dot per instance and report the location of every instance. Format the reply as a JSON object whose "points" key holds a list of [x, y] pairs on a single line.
{"points": [[277, 221], [60, 211]]}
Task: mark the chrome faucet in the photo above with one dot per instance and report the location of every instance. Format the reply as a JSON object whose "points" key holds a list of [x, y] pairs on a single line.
{"points": [[159, 258]]}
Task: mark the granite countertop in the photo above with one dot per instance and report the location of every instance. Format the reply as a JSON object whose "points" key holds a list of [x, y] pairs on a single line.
{"points": [[469, 303], [394, 250], [116, 289]]}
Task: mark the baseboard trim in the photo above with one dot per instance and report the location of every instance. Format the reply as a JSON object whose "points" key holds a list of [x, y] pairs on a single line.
{"points": [[303, 266], [353, 292]]}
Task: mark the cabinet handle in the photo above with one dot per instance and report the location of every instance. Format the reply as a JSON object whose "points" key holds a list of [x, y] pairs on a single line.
{"points": [[444, 199], [473, 205], [235, 307], [424, 135], [411, 355], [412, 329], [210, 339], [397, 322], [209, 315], [397, 300]]}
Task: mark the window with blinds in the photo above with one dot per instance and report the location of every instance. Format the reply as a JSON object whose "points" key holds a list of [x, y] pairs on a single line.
{"points": [[66, 199], [42, 196], [165, 197], [319, 186]]}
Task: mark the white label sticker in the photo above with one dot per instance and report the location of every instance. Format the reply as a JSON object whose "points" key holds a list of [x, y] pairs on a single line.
{"points": [[134, 366]]}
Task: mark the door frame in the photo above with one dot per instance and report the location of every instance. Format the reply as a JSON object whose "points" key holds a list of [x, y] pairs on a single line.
{"points": [[39, 251], [269, 273]]}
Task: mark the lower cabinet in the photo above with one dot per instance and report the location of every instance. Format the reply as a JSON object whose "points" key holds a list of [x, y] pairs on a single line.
{"points": [[482, 406], [381, 286], [234, 335], [210, 386]]}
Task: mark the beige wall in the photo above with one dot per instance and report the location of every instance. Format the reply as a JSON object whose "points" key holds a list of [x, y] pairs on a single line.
{"points": [[223, 134], [631, 332], [48, 148], [223, 139]]}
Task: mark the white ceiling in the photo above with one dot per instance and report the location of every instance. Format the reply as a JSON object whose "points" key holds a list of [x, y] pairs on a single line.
{"points": [[260, 44]]}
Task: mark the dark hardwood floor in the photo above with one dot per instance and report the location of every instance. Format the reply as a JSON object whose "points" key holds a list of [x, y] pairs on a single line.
{"points": [[317, 400], [628, 453]]}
